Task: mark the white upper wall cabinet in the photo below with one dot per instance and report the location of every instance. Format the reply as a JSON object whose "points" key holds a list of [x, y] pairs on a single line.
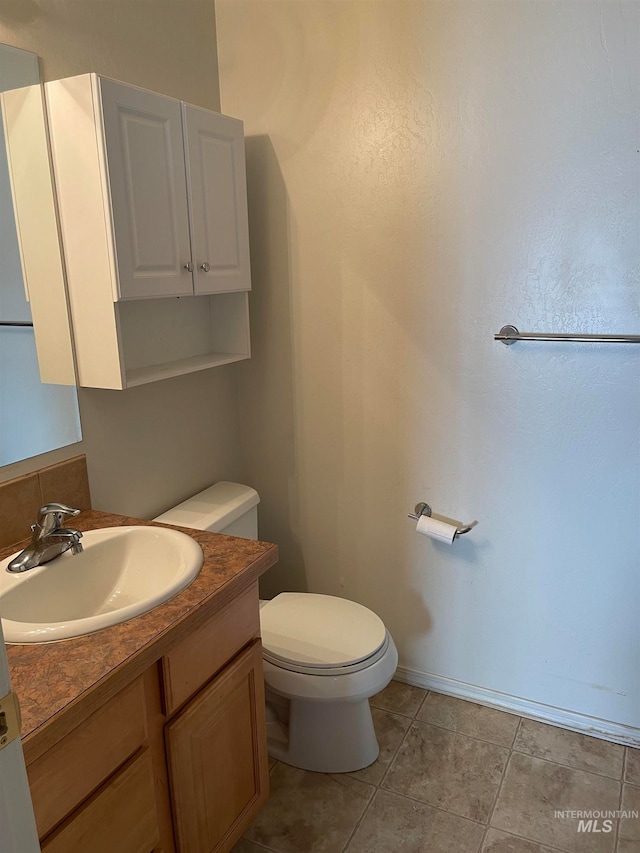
{"points": [[153, 206], [218, 200], [147, 184]]}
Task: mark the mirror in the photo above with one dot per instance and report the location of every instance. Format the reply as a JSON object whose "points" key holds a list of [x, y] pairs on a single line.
{"points": [[34, 417]]}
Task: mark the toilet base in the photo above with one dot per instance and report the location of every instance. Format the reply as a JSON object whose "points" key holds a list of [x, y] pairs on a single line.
{"points": [[327, 737]]}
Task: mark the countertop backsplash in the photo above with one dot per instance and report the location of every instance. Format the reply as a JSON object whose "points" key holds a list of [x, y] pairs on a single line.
{"points": [[21, 498]]}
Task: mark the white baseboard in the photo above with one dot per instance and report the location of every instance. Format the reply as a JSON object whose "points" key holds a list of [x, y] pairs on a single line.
{"points": [[604, 729]]}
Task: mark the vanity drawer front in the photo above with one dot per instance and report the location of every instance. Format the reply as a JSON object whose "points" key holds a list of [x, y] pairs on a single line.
{"points": [[196, 660], [120, 816], [78, 764]]}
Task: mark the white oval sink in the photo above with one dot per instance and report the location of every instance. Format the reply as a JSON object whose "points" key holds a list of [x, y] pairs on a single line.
{"points": [[121, 573]]}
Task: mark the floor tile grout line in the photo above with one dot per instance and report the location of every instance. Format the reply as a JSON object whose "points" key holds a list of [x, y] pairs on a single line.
{"points": [[377, 786], [394, 756], [421, 705], [568, 766], [465, 734], [432, 806], [513, 747], [517, 732], [258, 844], [625, 767], [393, 711], [462, 734], [617, 832], [522, 719], [411, 716], [544, 844], [359, 821], [629, 751], [499, 789]]}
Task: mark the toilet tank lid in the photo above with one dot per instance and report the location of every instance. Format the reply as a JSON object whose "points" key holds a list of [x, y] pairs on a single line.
{"points": [[213, 509]]}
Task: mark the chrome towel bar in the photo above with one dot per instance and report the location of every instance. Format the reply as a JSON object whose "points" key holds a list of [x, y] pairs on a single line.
{"points": [[424, 509], [510, 335]]}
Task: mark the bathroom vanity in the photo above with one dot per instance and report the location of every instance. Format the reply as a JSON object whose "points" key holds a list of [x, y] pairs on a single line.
{"points": [[150, 735]]}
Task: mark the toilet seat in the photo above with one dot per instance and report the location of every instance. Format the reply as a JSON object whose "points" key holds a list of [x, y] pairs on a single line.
{"points": [[328, 670], [320, 634]]}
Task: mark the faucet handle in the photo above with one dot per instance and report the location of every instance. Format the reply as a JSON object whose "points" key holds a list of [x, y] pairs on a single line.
{"points": [[51, 516], [73, 537]]}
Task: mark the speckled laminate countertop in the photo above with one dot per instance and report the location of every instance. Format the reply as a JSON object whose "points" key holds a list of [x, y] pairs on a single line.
{"points": [[60, 684]]}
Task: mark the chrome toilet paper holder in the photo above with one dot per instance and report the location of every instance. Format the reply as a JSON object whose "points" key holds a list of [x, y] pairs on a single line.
{"points": [[424, 509]]}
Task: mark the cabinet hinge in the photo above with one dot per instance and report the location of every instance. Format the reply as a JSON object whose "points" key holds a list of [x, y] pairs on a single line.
{"points": [[9, 719]]}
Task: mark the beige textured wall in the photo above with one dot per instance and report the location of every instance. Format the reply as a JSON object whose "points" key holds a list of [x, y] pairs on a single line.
{"points": [[421, 173], [151, 446], [167, 46]]}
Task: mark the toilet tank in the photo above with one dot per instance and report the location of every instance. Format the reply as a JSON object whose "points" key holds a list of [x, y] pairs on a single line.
{"points": [[222, 508]]}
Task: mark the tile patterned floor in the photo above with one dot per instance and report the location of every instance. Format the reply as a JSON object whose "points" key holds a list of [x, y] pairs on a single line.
{"points": [[455, 777]]}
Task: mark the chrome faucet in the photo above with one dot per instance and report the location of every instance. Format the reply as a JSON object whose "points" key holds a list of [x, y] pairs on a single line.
{"points": [[49, 539]]}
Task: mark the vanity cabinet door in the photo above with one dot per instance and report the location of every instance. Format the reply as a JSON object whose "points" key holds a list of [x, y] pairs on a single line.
{"points": [[68, 773], [217, 755], [120, 817], [218, 199], [146, 173]]}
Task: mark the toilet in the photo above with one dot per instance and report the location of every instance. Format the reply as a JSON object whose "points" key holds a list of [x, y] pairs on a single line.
{"points": [[323, 656]]}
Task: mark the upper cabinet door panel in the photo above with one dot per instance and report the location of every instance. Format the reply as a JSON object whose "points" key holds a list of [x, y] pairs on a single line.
{"points": [[218, 198], [145, 164]]}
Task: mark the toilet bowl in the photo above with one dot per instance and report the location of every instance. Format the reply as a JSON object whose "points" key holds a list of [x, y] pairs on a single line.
{"points": [[323, 656]]}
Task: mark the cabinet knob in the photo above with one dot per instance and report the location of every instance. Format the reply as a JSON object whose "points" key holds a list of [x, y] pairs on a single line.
{"points": [[205, 267], [189, 266]]}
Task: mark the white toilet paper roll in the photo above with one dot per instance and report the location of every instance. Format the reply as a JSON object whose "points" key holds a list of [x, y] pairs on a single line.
{"points": [[436, 529]]}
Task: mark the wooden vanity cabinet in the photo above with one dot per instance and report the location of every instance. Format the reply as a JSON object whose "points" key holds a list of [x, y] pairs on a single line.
{"points": [[218, 766], [176, 760], [121, 816]]}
